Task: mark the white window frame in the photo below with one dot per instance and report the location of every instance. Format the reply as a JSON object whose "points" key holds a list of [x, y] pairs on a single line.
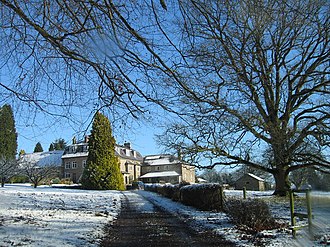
{"points": [[74, 165], [67, 165], [84, 162]]}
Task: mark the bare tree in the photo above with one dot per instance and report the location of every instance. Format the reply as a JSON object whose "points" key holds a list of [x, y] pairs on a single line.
{"points": [[243, 76], [40, 167], [8, 168], [258, 80], [38, 174]]}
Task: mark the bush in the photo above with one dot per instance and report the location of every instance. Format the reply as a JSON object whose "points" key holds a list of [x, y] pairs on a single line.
{"points": [[203, 196], [251, 213], [19, 179]]}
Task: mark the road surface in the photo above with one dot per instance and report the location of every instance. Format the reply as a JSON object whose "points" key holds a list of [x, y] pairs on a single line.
{"points": [[142, 223]]}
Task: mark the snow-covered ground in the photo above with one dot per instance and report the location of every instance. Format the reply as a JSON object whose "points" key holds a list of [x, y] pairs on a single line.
{"points": [[54, 217], [219, 222], [48, 216]]}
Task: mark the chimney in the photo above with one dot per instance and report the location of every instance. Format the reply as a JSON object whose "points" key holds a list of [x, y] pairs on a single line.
{"points": [[127, 145]]}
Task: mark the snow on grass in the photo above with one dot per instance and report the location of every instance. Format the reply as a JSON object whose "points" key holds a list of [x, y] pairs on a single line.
{"points": [[48, 216]]}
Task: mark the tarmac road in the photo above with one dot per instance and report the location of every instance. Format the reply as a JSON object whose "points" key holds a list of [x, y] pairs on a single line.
{"points": [[141, 223]]}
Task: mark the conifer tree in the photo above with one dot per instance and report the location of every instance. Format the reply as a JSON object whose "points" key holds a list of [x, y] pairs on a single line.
{"points": [[38, 148], [8, 135], [59, 144], [51, 147], [102, 170], [8, 144]]}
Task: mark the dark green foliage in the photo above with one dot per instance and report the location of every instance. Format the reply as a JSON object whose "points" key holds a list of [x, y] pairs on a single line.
{"points": [[38, 148], [51, 147], [203, 196], [8, 135], [8, 144], [59, 144], [19, 179], [252, 214], [102, 170]]}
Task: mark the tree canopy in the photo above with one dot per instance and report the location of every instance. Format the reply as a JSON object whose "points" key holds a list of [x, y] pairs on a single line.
{"points": [[238, 78], [102, 170], [58, 144]]}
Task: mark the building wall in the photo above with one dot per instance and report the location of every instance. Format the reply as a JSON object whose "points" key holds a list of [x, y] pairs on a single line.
{"points": [[73, 168], [186, 173], [250, 183], [130, 169], [161, 168], [73, 163]]}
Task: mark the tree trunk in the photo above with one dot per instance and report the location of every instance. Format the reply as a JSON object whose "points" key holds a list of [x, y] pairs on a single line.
{"points": [[282, 184]]}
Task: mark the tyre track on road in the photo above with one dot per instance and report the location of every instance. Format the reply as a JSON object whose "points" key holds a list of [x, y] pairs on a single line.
{"points": [[135, 227]]}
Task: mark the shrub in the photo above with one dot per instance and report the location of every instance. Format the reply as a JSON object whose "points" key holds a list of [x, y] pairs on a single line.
{"points": [[19, 179], [203, 196], [251, 213]]}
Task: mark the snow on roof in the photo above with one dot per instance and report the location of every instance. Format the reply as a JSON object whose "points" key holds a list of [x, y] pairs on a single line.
{"points": [[73, 155], [43, 158], [255, 177], [152, 157], [158, 160], [160, 174], [128, 153]]}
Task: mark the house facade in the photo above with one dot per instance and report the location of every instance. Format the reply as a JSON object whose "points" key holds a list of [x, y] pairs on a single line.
{"points": [[130, 162], [166, 168], [250, 182], [75, 156]]}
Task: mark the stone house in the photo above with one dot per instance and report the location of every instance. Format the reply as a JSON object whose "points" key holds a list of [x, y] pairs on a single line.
{"points": [[130, 162], [165, 168], [250, 182], [75, 157]]}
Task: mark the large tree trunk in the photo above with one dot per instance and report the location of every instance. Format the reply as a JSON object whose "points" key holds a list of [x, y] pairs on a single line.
{"points": [[282, 184]]}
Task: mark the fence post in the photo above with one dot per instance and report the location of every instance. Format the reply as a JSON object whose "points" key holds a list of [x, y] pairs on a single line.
{"points": [[244, 192], [309, 210], [293, 220]]}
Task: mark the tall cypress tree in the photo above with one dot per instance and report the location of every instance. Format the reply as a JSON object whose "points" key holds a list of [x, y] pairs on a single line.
{"points": [[51, 147], [38, 148], [102, 170], [8, 135], [8, 144]]}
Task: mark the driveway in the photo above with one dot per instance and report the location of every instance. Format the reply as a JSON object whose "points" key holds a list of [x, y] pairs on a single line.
{"points": [[142, 223]]}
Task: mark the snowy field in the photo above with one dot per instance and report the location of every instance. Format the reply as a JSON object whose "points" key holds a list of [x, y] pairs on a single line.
{"points": [[54, 217], [48, 216]]}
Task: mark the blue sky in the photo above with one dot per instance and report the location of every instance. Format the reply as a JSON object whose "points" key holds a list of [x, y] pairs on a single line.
{"points": [[45, 130]]}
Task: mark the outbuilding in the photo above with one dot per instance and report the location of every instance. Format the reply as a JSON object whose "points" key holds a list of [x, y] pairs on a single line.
{"points": [[250, 182]]}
